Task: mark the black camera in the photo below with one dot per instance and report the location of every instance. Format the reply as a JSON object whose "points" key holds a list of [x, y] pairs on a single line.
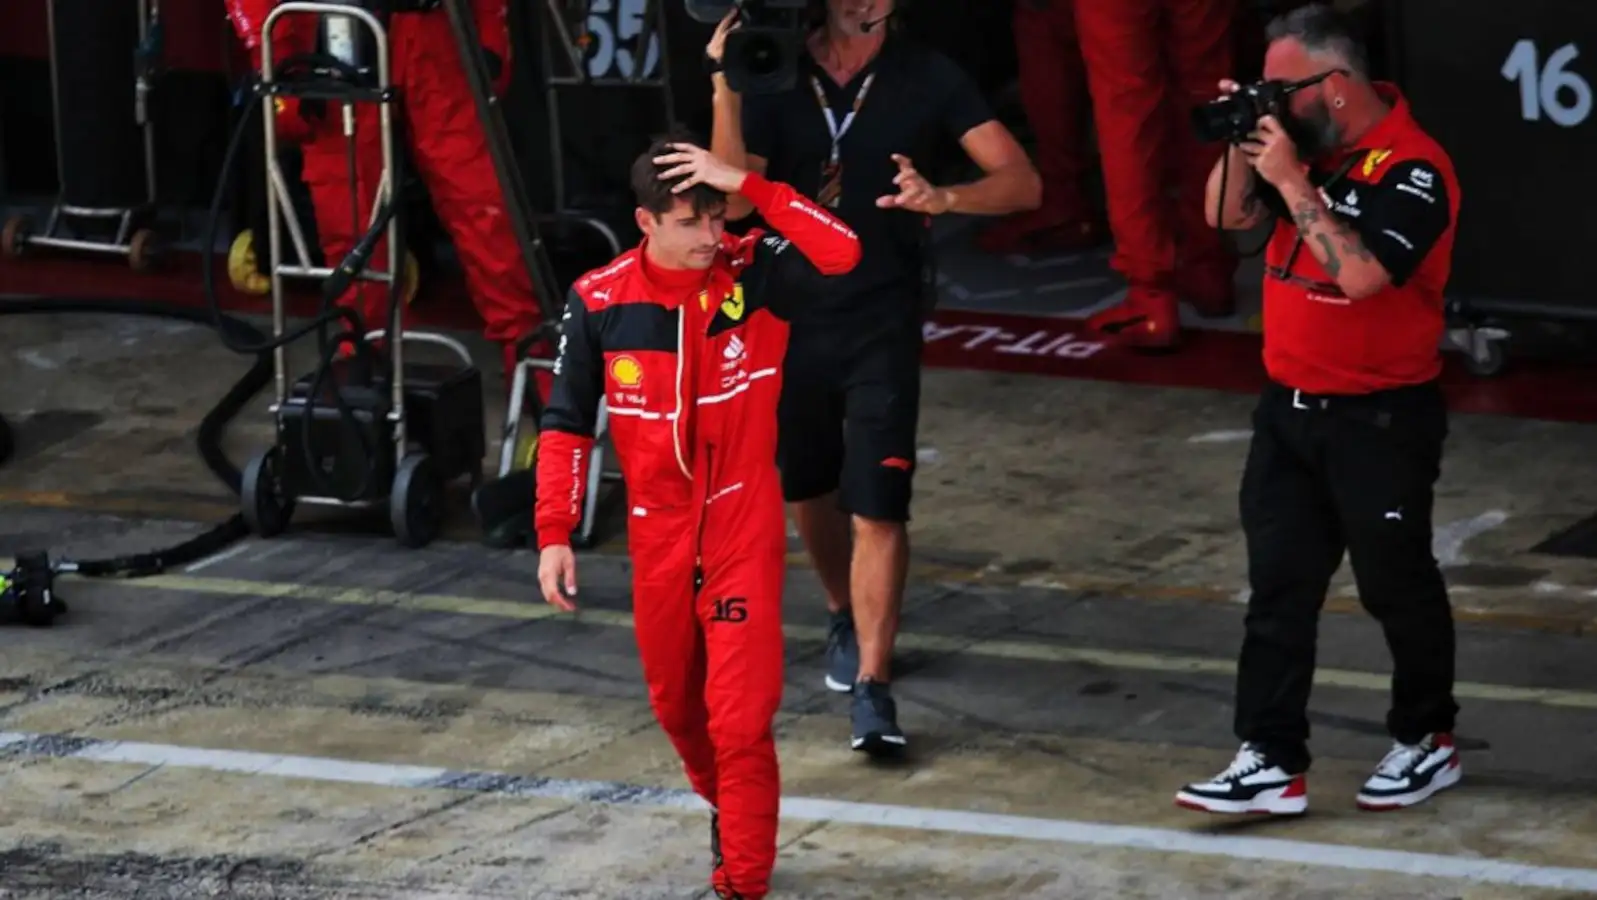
{"points": [[1234, 118], [761, 56]]}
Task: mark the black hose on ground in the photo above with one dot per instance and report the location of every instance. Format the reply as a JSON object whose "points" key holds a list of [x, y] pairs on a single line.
{"points": [[208, 440], [238, 336]]}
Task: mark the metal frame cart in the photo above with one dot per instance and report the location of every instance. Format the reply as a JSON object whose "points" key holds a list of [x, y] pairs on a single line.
{"points": [[139, 245], [430, 416]]}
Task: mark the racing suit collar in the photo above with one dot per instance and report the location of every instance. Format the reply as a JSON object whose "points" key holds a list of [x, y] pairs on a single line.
{"points": [[674, 286]]}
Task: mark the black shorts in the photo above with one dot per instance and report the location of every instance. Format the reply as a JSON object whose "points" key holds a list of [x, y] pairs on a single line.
{"points": [[850, 406]]}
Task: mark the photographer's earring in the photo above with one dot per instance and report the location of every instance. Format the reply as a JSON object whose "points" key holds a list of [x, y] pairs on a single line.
{"points": [[1339, 103]]}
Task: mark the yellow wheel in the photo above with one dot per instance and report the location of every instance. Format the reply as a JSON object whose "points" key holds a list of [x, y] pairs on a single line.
{"points": [[241, 269]]}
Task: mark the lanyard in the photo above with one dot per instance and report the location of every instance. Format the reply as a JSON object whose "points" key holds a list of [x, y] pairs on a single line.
{"points": [[832, 125]]}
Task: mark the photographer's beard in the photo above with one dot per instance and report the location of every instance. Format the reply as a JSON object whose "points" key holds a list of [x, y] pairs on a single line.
{"points": [[1313, 130]]}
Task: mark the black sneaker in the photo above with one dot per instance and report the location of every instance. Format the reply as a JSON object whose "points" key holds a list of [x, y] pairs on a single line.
{"points": [[1251, 784], [875, 718], [1411, 773], [842, 653]]}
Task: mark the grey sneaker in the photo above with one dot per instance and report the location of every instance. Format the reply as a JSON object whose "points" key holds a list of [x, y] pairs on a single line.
{"points": [[875, 719], [842, 653]]}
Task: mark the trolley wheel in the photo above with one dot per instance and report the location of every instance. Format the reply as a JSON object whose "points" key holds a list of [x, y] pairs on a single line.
{"points": [[1495, 359], [8, 444], [266, 510], [142, 250], [14, 239], [416, 504]]}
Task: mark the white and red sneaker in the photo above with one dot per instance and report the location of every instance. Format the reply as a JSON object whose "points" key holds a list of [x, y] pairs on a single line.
{"points": [[1251, 784], [1411, 773]]}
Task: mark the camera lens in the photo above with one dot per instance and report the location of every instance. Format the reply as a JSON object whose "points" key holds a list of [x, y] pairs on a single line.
{"points": [[762, 56]]}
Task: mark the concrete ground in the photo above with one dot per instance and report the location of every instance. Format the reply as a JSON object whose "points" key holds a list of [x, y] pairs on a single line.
{"points": [[326, 715]]}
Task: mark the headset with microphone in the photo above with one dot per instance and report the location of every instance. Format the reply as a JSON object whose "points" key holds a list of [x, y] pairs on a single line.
{"points": [[870, 24]]}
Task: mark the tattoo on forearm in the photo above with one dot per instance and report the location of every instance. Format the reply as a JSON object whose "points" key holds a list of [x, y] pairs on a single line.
{"points": [[1307, 215], [1332, 262], [1354, 247], [1336, 242]]}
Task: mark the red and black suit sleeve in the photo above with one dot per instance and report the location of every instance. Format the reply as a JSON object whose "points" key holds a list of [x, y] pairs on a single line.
{"points": [[806, 245], [565, 442]]}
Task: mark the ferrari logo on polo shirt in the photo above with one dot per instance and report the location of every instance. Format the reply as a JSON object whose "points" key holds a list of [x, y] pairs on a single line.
{"points": [[1374, 160], [626, 371]]}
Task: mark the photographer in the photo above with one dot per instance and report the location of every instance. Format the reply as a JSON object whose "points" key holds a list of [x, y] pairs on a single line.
{"points": [[1347, 436], [847, 134]]}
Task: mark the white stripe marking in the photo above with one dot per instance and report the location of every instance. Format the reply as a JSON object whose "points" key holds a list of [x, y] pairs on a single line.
{"points": [[1221, 437], [1447, 543], [215, 558], [875, 815]]}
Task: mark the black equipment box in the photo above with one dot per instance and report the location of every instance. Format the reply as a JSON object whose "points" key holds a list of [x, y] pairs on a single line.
{"points": [[443, 412], [1507, 89]]}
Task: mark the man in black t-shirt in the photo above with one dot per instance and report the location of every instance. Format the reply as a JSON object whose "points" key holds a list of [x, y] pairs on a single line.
{"points": [[868, 103]]}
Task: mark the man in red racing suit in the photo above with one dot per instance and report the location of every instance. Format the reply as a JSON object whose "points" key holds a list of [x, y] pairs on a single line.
{"points": [[449, 150], [683, 338]]}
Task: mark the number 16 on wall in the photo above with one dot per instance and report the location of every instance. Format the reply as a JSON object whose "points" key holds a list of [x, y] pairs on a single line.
{"points": [[1550, 90]]}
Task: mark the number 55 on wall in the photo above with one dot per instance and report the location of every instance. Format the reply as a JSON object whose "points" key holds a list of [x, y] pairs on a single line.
{"points": [[1552, 89]]}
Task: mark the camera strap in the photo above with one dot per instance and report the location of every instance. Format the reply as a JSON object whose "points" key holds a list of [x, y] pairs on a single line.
{"points": [[832, 173]]}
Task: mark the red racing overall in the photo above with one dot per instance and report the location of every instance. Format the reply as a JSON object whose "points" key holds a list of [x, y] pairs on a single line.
{"points": [[448, 148], [689, 364]]}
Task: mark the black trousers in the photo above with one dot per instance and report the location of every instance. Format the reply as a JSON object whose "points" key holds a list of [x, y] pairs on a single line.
{"points": [[1324, 476]]}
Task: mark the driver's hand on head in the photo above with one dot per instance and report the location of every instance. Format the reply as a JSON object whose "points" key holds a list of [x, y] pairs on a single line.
{"points": [[696, 165], [557, 576]]}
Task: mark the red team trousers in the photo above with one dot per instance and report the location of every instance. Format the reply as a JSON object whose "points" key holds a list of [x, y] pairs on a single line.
{"points": [[714, 665], [1148, 63]]}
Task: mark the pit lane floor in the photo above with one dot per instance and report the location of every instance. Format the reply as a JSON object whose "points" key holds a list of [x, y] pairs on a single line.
{"points": [[326, 715]]}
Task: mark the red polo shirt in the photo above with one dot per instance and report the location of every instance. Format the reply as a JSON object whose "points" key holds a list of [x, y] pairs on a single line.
{"points": [[1397, 190]]}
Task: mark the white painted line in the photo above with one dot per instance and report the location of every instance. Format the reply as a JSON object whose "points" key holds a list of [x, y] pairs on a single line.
{"points": [[224, 556], [1221, 437], [874, 815], [1073, 284], [1447, 542]]}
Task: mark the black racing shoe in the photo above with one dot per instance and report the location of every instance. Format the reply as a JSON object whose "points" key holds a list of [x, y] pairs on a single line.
{"points": [[842, 653], [1411, 773], [875, 720], [1251, 784]]}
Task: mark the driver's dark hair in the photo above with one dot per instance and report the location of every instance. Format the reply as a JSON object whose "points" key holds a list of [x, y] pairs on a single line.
{"points": [[1321, 29], [654, 194]]}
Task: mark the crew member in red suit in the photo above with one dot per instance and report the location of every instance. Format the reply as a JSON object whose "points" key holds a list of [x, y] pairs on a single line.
{"points": [[1149, 62], [449, 150], [683, 338], [1053, 89]]}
